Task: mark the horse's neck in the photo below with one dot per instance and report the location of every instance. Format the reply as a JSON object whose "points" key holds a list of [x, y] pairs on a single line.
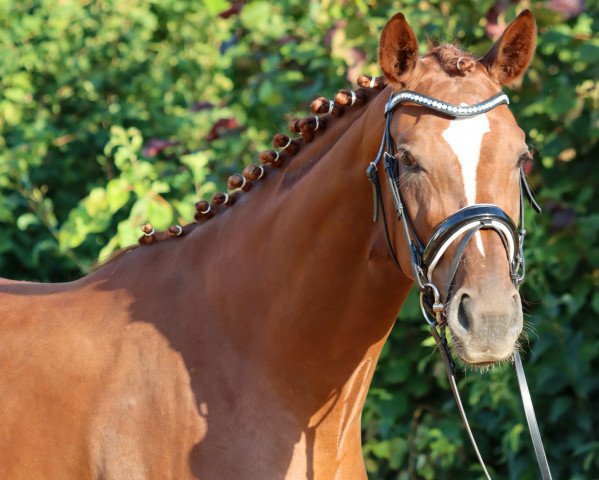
{"points": [[295, 277], [300, 254]]}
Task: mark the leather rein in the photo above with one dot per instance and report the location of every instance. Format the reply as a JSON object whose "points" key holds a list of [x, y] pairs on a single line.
{"points": [[464, 223]]}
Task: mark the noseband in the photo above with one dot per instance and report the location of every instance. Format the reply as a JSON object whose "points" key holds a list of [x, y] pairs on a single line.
{"points": [[462, 225]]}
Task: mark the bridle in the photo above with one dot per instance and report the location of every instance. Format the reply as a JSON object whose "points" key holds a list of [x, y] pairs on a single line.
{"points": [[461, 225]]}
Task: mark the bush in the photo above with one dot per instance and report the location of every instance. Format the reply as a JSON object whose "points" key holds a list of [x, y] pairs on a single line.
{"points": [[115, 113]]}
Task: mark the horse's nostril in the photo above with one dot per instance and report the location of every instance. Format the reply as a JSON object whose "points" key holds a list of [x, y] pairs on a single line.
{"points": [[464, 312]]}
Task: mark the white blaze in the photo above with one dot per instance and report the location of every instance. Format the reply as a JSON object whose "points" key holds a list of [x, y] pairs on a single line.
{"points": [[465, 137]]}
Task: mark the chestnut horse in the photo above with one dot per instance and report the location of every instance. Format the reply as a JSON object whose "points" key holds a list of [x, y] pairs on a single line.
{"points": [[242, 346]]}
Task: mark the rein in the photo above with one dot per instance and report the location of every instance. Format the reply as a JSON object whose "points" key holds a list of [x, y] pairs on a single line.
{"points": [[463, 223]]}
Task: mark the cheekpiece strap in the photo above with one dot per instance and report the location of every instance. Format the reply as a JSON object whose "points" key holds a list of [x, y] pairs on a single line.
{"points": [[528, 192], [444, 107]]}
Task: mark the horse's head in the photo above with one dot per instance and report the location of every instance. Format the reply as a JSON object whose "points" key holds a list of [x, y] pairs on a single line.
{"points": [[448, 163]]}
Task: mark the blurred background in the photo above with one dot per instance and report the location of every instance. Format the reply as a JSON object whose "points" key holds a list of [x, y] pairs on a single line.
{"points": [[114, 113]]}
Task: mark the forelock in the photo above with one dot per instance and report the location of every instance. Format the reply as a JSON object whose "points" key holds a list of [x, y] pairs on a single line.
{"points": [[454, 61]]}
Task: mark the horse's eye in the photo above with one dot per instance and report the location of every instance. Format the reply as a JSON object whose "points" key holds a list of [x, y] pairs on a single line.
{"points": [[406, 159]]}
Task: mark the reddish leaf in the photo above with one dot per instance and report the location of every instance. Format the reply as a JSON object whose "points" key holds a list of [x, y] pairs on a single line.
{"points": [[234, 10], [155, 146], [221, 126]]}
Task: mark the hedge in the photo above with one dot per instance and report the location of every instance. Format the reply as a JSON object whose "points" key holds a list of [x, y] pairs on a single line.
{"points": [[116, 113]]}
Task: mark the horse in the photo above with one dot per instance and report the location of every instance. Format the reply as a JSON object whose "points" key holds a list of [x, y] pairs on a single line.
{"points": [[243, 344]]}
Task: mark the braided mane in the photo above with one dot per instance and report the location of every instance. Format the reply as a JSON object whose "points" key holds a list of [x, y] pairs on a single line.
{"points": [[454, 62], [285, 147]]}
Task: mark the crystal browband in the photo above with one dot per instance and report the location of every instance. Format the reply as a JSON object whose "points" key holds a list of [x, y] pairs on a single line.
{"points": [[444, 107]]}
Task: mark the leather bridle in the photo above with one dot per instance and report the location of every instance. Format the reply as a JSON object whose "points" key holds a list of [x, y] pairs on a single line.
{"points": [[462, 225]]}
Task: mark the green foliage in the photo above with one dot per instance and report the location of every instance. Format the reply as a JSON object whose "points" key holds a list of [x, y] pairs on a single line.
{"points": [[107, 115]]}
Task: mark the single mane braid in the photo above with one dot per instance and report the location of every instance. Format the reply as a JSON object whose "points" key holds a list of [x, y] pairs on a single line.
{"points": [[324, 105], [149, 234], [285, 147], [204, 210], [175, 231], [366, 81], [351, 98], [227, 199], [307, 127], [287, 144], [272, 158], [254, 172], [239, 182]]}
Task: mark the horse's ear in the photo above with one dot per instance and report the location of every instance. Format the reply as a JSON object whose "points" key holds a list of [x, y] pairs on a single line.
{"points": [[510, 56], [398, 50]]}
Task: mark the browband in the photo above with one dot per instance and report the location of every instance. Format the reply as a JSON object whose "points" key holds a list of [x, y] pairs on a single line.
{"points": [[444, 107]]}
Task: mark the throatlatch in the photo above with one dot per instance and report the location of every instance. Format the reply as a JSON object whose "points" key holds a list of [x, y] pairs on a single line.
{"points": [[462, 224]]}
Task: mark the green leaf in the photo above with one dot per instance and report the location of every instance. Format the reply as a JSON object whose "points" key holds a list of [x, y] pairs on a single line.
{"points": [[118, 192], [26, 220], [160, 213], [214, 7]]}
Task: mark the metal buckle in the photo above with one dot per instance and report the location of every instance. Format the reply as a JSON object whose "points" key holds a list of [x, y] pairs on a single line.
{"points": [[438, 307]]}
